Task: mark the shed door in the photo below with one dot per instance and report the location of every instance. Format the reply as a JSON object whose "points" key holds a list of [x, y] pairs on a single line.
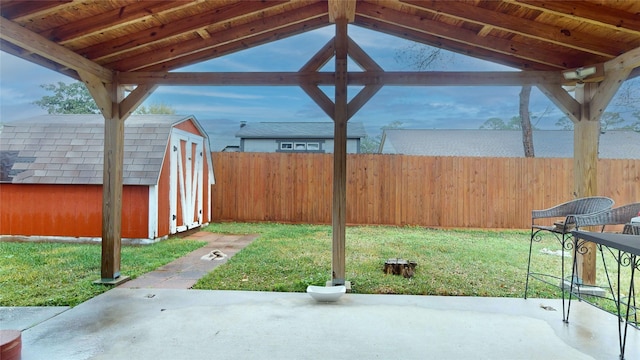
{"points": [[187, 167]]}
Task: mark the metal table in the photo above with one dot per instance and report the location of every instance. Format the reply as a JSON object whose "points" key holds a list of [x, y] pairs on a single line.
{"points": [[627, 253]]}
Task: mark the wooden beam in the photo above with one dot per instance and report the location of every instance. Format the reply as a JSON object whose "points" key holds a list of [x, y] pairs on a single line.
{"points": [[100, 92], [606, 90], [163, 32], [587, 12], [455, 46], [134, 99], [17, 10], [468, 37], [139, 12], [37, 59], [341, 116], [320, 98], [369, 77], [231, 46], [362, 98], [32, 42], [360, 57], [520, 25], [342, 9], [262, 26], [628, 60], [455, 78], [561, 98], [320, 59]]}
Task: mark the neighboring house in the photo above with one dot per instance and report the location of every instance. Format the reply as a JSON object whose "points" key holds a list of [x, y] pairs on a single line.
{"points": [[503, 143], [305, 137], [51, 175]]}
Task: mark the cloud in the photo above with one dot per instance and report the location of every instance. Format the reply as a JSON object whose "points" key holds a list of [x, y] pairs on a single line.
{"points": [[205, 92], [223, 107]]}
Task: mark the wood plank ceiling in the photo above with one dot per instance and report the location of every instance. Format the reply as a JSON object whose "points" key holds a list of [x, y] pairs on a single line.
{"points": [[152, 36]]}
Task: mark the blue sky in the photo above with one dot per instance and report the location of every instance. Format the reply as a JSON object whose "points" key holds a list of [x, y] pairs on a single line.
{"points": [[220, 109]]}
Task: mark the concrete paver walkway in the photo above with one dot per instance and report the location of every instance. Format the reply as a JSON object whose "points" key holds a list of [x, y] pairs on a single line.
{"points": [[184, 272]]}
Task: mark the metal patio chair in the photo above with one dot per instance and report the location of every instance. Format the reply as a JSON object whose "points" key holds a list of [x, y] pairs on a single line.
{"points": [[561, 230], [617, 216]]}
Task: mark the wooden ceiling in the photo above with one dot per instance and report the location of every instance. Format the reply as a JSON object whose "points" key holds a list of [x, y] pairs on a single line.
{"points": [[151, 36]]}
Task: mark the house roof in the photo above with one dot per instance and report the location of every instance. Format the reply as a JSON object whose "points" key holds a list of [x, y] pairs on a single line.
{"points": [[68, 149], [132, 35], [297, 130], [503, 143]]}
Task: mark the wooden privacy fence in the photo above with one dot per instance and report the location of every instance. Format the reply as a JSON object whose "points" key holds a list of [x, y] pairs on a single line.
{"points": [[445, 192]]}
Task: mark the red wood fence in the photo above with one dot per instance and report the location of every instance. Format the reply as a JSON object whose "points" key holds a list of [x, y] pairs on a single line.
{"points": [[445, 192]]}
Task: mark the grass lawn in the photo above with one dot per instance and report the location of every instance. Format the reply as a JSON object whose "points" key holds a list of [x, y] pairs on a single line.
{"points": [[291, 257], [51, 274], [450, 262]]}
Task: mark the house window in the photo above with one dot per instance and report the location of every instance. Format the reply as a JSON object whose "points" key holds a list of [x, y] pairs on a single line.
{"points": [[299, 146]]}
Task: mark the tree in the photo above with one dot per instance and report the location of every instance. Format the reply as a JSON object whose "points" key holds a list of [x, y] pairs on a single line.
{"points": [[564, 123], [155, 109], [525, 121], [371, 145], [75, 98], [423, 57], [71, 98], [498, 124]]}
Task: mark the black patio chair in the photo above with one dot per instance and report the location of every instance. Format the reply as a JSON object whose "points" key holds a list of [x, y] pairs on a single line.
{"points": [[561, 230]]}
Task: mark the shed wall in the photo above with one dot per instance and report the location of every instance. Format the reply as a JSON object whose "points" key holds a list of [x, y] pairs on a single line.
{"points": [[68, 210]]}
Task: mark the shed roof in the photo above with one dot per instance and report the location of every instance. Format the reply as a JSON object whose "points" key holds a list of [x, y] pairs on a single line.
{"points": [[297, 130], [503, 143], [68, 149]]}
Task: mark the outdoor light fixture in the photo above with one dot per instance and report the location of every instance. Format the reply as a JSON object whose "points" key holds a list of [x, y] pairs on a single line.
{"points": [[579, 73]]}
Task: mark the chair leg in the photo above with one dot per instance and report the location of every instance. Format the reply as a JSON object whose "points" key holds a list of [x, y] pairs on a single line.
{"points": [[526, 286]]}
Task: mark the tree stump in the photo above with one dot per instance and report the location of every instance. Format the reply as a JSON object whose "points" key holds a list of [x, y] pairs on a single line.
{"points": [[400, 267]]}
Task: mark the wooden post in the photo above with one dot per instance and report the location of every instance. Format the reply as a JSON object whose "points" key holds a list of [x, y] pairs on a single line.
{"points": [[586, 137], [339, 216], [112, 192]]}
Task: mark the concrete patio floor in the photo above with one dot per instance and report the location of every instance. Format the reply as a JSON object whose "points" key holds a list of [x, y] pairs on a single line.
{"points": [[130, 323]]}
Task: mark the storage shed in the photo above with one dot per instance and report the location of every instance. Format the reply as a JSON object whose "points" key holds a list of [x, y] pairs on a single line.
{"points": [[51, 174]]}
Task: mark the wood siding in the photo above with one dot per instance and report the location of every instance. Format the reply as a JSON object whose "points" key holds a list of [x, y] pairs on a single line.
{"points": [[445, 192], [68, 210]]}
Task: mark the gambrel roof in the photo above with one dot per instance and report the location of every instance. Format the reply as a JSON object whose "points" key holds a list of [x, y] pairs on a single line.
{"points": [[132, 35], [69, 149]]}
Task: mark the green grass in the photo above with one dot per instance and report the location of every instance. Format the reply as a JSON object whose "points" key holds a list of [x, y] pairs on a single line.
{"points": [[52, 274], [288, 258], [450, 262]]}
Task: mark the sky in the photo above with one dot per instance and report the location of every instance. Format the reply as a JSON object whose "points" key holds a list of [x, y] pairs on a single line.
{"points": [[220, 109]]}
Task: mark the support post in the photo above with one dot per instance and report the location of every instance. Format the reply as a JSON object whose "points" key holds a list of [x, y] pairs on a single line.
{"points": [[112, 192], [586, 137], [340, 119]]}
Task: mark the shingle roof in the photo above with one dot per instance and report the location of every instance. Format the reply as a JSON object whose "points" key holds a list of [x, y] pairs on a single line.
{"points": [[503, 143], [297, 130], [68, 149]]}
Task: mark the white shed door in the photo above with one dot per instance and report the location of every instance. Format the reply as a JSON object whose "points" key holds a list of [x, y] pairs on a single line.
{"points": [[185, 190]]}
